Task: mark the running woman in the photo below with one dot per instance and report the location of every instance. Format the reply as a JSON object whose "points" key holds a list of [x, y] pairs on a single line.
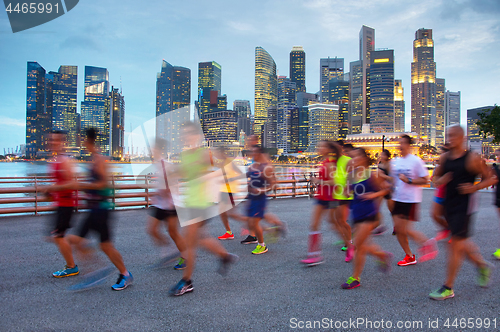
{"points": [[98, 191], [384, 170], [195, 170], [367, 187], [409, 174], [323, 199], [164, 208], [437, 209], [496, 169], [458, 170], [343, 198], [65, 200]]}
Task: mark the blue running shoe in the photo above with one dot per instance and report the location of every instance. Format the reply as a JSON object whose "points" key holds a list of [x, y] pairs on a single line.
{"points": [[123, 282], [66, 272], [183, 286], [181, 264]]}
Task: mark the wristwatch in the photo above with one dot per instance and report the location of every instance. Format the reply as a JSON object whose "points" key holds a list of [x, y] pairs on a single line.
{"points": [[410, 181]]}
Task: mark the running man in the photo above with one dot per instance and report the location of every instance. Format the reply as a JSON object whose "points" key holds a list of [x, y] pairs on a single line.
{"points": [[384, 171], [98, 220], [437, 209], [195, 170], [496, 169], [164, 208], [323, 200], [458, 170], [65, 200], [367, 189], [409, 174]]}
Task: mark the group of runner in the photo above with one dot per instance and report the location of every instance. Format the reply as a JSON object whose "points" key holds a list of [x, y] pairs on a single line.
{"points": [[345, 186]]}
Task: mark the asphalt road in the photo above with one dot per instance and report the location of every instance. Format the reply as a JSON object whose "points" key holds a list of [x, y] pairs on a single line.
{"points": [[261, 293]]}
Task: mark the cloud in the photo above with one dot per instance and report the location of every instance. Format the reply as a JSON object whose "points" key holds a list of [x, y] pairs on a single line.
{"points": [[11, 122], [80, 42], [241, 26]]}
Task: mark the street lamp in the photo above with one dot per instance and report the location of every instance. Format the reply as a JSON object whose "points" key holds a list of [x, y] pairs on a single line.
{"points": [[383, 142]]}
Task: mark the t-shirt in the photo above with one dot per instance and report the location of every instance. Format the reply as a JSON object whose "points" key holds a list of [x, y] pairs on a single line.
{"points": [[340, 179], [163, 197], [413, 167]]}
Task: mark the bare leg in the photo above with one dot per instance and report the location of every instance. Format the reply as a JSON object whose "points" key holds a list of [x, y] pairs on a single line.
{"points": [[401, 226], [455, 259], [316, 217], [342, 213], [153, 230], [255, 226], [114, 256], [65, 250], [191, 237], [438, 215], [176, 236], [363, 230], [225, 221]]}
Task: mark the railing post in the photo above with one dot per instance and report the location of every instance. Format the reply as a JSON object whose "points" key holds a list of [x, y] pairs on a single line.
{"points": [[147, 190], [113, 184], [77, 201], [294, 190], [36, 197]]}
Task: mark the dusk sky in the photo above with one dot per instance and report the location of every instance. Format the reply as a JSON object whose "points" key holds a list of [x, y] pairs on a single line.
{"points": [[131, 38]]}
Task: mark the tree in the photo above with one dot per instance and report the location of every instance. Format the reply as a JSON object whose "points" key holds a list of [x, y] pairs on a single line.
{"points": [[489, 124], [427, 149]]}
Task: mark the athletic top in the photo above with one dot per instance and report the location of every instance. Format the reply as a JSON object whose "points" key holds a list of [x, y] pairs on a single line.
{"points": [[64, 198], [441, 191], [383, 169], [340, 179], [196, 193], [256, 179], [163, 197], [325, 191], [98, 198], [362, 208], [454, 202], [229, 186], [412, 167], [496, 168]]}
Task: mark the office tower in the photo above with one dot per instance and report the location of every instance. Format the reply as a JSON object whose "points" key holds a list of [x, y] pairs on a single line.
{"points": [[117, 123], [339, 95], [95, 109], [266, 88], [173, 96], [440, 122], [329, 68], [452, 108], [381, 77], [366, 46], [356, 96], [399, 107], [209, 87], [473, 134], [423, 87], [323, 124], [298, 68], [299, 121], [243, 112], [286, 102], [37, 118], [220, 127]]}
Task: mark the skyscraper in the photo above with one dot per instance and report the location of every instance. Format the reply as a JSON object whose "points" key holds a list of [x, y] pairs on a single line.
{"points": [[381, 77], [323, 124], [423, 87], [399, 107], [329, 68], [243, 112], [173, 96], [298, 68], [299, 120], [440, 126], [473, 134], [117, 123], [64, 114], [220, 127], [339, 95], [209, 87], [366, 46], [266, 87], [286, 101], [95, 109], [37, 126], [270, 128], [356, 96], [452, 108]]}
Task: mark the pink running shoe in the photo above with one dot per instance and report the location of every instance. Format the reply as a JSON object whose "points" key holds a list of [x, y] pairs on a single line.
{"points": [[349, 254], [311, 261], [442, 235], [428, 251]]}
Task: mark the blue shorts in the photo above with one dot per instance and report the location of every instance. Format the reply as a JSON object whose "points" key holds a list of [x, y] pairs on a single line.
{"points": [[325, 204], [439, 200], [257, 206]]}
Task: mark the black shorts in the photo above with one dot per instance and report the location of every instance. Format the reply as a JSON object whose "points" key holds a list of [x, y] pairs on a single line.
{"points": [[161, 214], [497, 203], [339, 202], [62, 221], [367, 219], [405, 210], [97, 221], [459, 224]]}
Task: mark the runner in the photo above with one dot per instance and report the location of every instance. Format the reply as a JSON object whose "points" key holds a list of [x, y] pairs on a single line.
{"points": [[98, 191], [65, 200], [164, 210], [197, 200], [458, 170], [367, 187], [437, 209], [409, 174], [496, 168], [343, 199], [384, 170], [323, 200]]}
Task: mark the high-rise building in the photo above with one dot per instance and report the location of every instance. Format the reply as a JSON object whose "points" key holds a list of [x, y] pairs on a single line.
{"points": [[423, 87], [452, 108], [64, 114], [243, 112], [286, 102], [440, 121], [473, 134], [339, 95], [298, 68], [270, 128], [323, 124], [381, 77], [95, 109], [209, 87], [329, 68], [399, 107], [366, 46], [266, 88], [356, 96], [117, 123], [299, 121], [173, 97], [37, 120], [220, 127]]}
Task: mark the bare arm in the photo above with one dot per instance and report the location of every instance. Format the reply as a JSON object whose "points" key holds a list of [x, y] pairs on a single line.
{"points": [[477, 165]]}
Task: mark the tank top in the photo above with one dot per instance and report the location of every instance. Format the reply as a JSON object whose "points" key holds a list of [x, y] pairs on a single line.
{"points": [[324, 192], [454, 201], [196, 194], [65, 198], [362, 208], [98, 198], [256, 179], [340, 179]]}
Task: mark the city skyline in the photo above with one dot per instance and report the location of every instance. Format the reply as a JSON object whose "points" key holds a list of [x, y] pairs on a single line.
{"points": [[455, 34]]}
